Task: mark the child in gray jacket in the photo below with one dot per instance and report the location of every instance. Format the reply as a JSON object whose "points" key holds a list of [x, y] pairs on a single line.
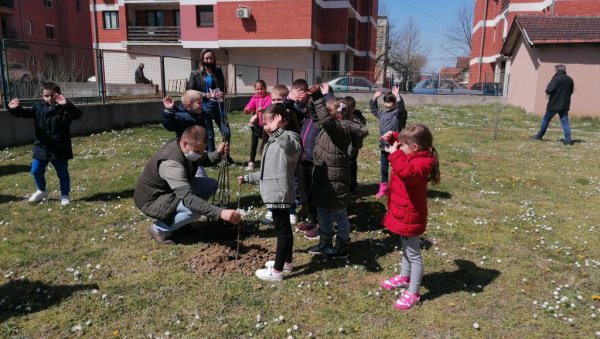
{"points": [[277, 186]]}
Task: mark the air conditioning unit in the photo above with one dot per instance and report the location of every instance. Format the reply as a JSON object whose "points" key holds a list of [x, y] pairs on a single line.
{"points": [[243, 13]]}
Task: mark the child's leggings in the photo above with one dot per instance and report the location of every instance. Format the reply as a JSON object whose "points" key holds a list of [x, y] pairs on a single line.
{"points": [[285, 237], [412, 261], [38, 170], [385, 165]]}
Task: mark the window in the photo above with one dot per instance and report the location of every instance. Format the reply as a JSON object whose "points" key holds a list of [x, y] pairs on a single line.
{"points": [[48, 3], [177, 20], [78, 5], [111, 19], [360, 82], [343, 82], [155, 18], [28, 27], [204, 16], [49, 31]]}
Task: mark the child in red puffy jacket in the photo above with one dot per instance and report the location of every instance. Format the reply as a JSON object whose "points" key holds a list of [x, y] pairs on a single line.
{"points": [[414, 163]]}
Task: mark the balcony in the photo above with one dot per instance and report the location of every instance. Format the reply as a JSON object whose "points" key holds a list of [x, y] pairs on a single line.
{"points": [[7, 3], [153, 34], [505, 4], [9, 34], [353, 4], [351, 40]]}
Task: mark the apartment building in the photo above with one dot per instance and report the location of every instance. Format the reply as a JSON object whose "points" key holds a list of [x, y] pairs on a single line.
{"points": [[313, 39], [491, 24], [37, 32]]}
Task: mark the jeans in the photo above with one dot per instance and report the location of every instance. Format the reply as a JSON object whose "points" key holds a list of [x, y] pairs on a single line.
{"points": [[210, 135], [385, 166], [38, 170], [326, 218], [564, 121], [204, 188], [285, 238], [304, 176], [412, 261]]}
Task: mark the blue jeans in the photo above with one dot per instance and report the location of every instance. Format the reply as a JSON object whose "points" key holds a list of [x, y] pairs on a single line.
{"points": [[38, 170], [385, 166], [204, 188], [564, 121], [326, 218]]}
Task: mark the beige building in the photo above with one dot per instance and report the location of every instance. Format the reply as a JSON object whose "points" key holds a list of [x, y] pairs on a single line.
{"points": [[535, 44]]}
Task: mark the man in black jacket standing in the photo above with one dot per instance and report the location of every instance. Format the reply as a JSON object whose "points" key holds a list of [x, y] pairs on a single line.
{"points": [[559, 91]]}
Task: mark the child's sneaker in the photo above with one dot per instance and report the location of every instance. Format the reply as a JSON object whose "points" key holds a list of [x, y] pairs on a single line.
{"points": [[407, 301], [38, 196], [268, 219], [250, 166], [382, 190], [304, 226], [319, 248], [65, 200], [293, 219], [287, 266], [312, 234], [269, 274], [395, 281]]}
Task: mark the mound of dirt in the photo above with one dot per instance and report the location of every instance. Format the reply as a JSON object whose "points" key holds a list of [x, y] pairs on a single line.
{"points": [[218, 259]]}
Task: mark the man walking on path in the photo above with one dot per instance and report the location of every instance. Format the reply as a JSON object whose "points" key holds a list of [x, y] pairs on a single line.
{"points": [[559, 91]]}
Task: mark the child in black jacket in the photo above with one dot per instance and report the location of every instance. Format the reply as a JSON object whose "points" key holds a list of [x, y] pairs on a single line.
{"points": [[53, 117]]}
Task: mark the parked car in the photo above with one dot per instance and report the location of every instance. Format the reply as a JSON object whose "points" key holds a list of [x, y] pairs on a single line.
{"points": [[348, 83], [443, 86], [17, 71], [488, 88]]}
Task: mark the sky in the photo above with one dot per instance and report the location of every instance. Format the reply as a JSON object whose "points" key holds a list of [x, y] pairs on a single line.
{"points": [[432, 16]]}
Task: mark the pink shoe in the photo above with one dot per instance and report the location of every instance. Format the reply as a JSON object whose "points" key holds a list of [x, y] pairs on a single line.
{"points": [[407, 301], [395, 281], [382, 190]]}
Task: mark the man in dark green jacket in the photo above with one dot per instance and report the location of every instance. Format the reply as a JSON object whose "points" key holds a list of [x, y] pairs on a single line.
{"points": [[169, 191]]}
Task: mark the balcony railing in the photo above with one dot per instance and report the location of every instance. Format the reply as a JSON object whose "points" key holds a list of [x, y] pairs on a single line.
{"points": [[351, 39], [7, 3], [9, 34], [156, 34], [505, 4], [352, 3]]}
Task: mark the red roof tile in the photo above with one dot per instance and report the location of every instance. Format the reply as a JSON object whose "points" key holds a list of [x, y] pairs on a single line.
{"points": [[542, 29]]}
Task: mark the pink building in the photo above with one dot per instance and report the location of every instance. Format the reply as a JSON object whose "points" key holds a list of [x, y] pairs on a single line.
{"points": [[535, 44], [492, 20], [315, 38]]}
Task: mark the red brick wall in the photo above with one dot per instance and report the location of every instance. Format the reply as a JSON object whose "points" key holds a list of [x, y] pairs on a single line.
{"points": [[333, 28], [577, 7], [283, 19], [112, 35]]}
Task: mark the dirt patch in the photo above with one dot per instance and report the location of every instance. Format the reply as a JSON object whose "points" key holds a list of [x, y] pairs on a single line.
{"points": [[218, 259]]}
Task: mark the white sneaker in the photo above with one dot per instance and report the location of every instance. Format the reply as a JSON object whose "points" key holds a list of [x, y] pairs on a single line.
{"points": [[38, 196], [65, 200], [293, 219], [268, 274], [250, 166], [287, 267], [268, 219]]}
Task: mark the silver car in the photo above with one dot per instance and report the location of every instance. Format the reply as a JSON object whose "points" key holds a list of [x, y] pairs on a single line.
{"points": [[443, 86], [350, 83]]}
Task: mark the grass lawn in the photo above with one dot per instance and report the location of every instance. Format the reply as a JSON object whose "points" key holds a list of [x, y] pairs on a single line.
{"points": [[511, 245]]}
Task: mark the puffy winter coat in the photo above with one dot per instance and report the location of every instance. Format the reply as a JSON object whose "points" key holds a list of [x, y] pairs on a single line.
{"points": [[407, 197], [559, 89], [52, 129], [331, 172]]}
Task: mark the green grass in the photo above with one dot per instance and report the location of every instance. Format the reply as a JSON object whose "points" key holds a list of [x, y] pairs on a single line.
{"points": [[512, 221]]}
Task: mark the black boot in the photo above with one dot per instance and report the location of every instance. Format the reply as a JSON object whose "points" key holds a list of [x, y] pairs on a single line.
{"points": [[325, 242], [340, 251]]}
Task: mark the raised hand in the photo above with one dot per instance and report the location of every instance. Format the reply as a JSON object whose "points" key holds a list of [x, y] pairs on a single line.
{"points": [[393, 148], [168, 102], [14, 103], [377, 93], [60, 99], [396, 90], [324, 88]]}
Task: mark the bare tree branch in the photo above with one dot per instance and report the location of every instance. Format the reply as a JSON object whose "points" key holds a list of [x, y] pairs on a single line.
{"points": [[458, 34], [408, 53]]}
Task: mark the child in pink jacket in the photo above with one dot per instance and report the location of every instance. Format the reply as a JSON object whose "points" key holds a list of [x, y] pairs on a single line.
{"points": [[257, 105]]}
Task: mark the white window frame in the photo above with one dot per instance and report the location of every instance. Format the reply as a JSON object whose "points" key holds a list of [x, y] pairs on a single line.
{"points": [[113, 20]]}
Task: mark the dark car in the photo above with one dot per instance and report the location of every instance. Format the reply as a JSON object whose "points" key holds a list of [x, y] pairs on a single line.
{"points": [[443, 86], [488, 88]]}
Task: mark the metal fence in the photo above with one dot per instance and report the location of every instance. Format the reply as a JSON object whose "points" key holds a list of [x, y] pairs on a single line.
{"points": [[86, 74]]}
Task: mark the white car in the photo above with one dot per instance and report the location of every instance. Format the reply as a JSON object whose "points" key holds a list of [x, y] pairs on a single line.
{"points": [[348, 83]]}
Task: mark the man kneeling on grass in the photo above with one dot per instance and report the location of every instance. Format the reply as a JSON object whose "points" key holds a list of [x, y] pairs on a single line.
{"points": [[169, 191]]}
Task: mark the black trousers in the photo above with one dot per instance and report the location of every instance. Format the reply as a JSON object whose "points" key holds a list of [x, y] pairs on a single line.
{"points": [[304, 176], [285, 237]]}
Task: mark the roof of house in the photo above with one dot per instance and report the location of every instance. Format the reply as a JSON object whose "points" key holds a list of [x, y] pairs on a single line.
{"points": [[546, 30]]}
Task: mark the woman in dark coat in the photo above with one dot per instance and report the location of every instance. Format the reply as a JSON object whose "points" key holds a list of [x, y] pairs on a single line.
{"points": [[209, 79]]}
